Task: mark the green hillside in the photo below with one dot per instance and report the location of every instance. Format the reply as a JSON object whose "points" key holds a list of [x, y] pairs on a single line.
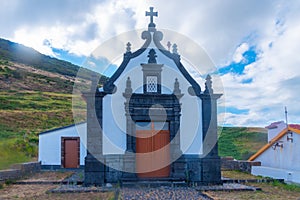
{"points": [[241, 142], [17, 53]]}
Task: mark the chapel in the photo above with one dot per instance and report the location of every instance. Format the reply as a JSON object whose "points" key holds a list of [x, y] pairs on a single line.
{"points": [[151, 120]]}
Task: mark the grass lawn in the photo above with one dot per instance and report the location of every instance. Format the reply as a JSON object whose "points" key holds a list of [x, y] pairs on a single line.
{"points": [[275, 190], [233, 174], [269, 191]]}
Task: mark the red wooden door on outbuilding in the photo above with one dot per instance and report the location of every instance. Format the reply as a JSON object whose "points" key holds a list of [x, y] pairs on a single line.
{"points": [[70, 152]]}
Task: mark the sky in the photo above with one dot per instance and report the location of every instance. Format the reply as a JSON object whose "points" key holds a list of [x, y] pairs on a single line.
{"points": [[254, 45]]}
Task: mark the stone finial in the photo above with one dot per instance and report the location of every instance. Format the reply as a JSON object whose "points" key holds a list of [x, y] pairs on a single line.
{"points": [[128, 47], [152, 56], [208, 85], [128, 88], [176, 87], [169, 45], [151, 14], [175, 49]]}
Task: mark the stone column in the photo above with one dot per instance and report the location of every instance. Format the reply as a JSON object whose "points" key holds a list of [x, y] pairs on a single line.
{"points": [[94, 170], [178, 169], [211, 163], [129, 156]]}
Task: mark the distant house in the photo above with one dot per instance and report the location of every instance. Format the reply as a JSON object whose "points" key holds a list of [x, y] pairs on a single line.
{"points": [[280, 157], [63, 147]]}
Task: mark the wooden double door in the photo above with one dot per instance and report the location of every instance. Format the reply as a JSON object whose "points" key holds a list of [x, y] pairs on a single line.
{"points": [[152, 149]]}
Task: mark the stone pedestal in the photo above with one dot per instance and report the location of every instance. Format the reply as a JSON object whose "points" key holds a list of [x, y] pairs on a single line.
{"points": [[129, 166], [114, 168], [211, 171], [194, 169], [94, 171], [178, 170]]}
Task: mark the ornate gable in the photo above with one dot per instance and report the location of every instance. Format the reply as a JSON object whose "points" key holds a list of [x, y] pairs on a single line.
{"points": [[152, 35]]}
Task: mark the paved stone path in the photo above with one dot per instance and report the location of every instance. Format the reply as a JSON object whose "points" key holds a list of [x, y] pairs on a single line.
{"points": [[166, 193]]}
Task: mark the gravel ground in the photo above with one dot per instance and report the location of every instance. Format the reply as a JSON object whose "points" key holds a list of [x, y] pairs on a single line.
{"points": [[166, 193], [73, 191]]}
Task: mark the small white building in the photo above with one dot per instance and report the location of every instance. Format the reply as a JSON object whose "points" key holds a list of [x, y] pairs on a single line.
{"points": [[63, 147], [280, 157]]}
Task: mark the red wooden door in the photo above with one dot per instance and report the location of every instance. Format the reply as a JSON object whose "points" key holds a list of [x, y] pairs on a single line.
{"points": [[153, 153], [71, 157]]}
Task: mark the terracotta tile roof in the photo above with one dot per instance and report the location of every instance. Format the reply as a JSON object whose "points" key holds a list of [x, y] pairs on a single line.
{"points": [[295, 126], [291, 127], [274, 125]]}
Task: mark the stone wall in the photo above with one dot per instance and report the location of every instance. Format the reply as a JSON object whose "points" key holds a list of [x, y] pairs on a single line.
{"points": [[19, 170], [228, 163]]}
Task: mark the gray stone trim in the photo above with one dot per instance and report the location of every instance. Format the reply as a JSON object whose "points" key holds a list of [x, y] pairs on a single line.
{"points": [[109, 86], [157, 37]]}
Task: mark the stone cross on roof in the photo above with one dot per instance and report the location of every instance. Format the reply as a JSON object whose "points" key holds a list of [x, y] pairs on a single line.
{"points": [[151, 14]]}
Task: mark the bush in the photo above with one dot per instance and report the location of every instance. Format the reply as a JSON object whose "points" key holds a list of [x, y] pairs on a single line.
{"points": [[27, 145]]}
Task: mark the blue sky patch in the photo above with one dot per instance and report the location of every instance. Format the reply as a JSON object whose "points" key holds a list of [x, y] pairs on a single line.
{"points": [[247, 81], [232, 110], [72, 58], [235, 110], [101, 65], [250, 56]]}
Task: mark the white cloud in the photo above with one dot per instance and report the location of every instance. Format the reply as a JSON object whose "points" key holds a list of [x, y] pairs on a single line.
{"points": [[225, 29], [238, 54], [218, 26], [276, 80]]}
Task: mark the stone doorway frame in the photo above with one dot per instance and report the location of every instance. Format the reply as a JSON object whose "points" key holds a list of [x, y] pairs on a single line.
{"points": [[137, 107]]}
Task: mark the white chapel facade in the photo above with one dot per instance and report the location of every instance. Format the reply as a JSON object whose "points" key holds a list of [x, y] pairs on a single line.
{"points": [[150, 120]]}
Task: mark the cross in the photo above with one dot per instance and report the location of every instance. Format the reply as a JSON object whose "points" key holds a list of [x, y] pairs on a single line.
{"points": [[151, 14]]}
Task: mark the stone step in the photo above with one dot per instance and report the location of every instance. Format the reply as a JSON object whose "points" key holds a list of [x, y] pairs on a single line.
{"points": [[134, 179], [149, 184], [227, 180]]}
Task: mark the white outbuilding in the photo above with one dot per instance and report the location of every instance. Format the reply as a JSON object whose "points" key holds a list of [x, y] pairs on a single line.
{"points": [[63, 147], [280, 156]]}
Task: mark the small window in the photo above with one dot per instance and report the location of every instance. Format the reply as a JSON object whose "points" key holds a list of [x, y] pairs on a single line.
{"points": [[151, 83]]}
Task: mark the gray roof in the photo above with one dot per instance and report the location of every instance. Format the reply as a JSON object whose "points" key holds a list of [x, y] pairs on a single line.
{"points": [[60, 128]]}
